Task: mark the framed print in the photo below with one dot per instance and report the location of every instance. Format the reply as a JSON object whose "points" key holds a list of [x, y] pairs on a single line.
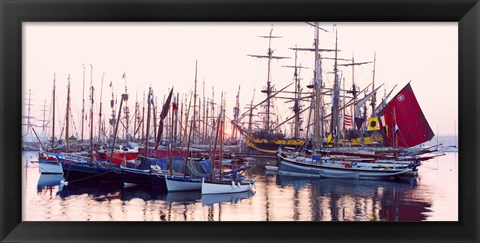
{"points": [[130, 99]]}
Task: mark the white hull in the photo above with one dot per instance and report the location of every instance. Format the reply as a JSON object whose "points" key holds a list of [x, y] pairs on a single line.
{"points": [[335, 170], [178, 183], [50, 167], [225, 187]]}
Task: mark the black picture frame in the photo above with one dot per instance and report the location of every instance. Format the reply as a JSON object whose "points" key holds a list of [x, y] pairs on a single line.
{"points": [[14, 12]]}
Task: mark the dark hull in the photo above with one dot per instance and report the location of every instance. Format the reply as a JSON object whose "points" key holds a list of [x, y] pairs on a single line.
{"points": [[144, 178], [80, 173]]}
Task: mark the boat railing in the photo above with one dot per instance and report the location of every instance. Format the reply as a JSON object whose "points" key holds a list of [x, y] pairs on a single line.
{"points": [[75, 158]]}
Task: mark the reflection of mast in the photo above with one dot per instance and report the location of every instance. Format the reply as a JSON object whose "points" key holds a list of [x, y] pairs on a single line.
{"points": [[269, 88]]}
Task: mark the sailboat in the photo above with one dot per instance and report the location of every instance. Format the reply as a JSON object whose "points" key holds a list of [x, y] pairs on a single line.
{"points": [[78, 168], [186, 182], [48, 162], [220, 184]]}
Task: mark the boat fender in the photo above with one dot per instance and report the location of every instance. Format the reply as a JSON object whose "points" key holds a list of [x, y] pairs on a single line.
{"points": [[233, 184], [238, 184]]}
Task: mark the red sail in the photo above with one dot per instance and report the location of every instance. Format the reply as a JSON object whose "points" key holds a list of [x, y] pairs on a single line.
{"points": [[402, 121]]}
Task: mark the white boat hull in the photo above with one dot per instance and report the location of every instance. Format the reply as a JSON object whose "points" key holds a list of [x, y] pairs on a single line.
{"points": [[178, 183], [294, 167], [50, 167], [225, 187]]}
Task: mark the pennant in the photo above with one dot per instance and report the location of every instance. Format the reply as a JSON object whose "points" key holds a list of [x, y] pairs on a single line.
{"points": [[124, 75], [174, 107], [110, 84]]}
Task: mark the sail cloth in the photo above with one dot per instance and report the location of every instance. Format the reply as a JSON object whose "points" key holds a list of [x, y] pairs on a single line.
{"points": [[402, 121]]}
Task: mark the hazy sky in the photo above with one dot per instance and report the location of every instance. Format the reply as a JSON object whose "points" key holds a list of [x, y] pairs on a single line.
{"points": [[162, 55]]}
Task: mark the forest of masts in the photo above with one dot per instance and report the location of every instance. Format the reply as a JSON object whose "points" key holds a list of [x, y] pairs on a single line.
{"points": [[198, 110]]}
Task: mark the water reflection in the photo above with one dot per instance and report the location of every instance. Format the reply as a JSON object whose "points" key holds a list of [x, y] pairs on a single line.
{"points": [[431, 196], [356, 200], [232, 198]]}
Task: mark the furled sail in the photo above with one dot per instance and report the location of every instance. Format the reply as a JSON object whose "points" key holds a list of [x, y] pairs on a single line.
{"points": [[402, 121]]}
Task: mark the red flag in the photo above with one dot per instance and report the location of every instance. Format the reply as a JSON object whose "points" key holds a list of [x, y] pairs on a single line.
{"points": [[174, 107], [110, 84]]}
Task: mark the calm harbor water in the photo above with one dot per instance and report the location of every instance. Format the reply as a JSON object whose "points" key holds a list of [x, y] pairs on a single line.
{"points": [[432, 196]]}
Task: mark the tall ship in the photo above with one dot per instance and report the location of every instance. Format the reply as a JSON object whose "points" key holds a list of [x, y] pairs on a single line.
{"points": [[268, 138]]}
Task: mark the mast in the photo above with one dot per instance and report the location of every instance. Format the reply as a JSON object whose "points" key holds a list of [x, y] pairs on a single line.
{"points": [[250, 115], [116, 126], [297, 99], [83, 100], [29, 123], [148, 120], [222, 134], [236, 113], [177, 100], [127, 112], [268, 91], [137, 117], [43, 121], [195, 102], [100, 114], [156, 137], [143, 117], [67, 116], [318, 108], [91, 116], [335, 101], [204, 114], [374, 97], [53, 119]]}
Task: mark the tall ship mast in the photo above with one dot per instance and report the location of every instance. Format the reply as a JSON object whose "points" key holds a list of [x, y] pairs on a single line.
{"points": [[268, 139]]}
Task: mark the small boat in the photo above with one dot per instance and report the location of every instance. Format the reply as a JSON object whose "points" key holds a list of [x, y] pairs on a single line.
{"points": [[176, 183], [49, 163]]}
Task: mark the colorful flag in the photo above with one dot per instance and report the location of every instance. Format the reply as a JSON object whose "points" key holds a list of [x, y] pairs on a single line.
{"points": [[174, 107], [347, 120]]}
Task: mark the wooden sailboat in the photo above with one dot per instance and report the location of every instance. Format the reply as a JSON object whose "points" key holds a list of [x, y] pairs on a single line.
{"points": [[222, 185], [49, 163], [184, 182], [79, 168]]}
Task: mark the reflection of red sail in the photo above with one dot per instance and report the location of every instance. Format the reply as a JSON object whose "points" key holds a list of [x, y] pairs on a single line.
{"points": [[402, 121]]}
